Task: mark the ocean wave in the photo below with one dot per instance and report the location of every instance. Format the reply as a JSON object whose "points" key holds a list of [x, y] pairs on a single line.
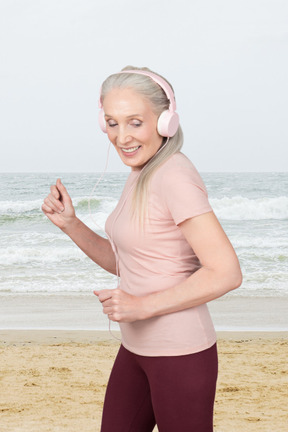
{"points": [[82, 203], [19, 207], [32, 256], [30, 210], [258, 242], [52, 287], [241, 208], [29, 206], [80, 284], [234, 208]]}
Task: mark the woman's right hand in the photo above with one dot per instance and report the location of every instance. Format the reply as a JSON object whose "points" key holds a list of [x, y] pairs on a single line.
{"points": [[58, 206]]}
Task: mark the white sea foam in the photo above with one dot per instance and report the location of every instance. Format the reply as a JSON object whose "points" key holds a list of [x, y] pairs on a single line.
{"points": [[242, 208], [18, 207], [37, 257], [31, 255], [259, 242], [226, 208], [21, 206]]}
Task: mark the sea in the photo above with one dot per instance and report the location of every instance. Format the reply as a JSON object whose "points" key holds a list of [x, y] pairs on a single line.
{"points": [[37, 258]]}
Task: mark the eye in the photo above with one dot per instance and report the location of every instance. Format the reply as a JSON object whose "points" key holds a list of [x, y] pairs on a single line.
{"points": [[111, 123], [136, 123]]}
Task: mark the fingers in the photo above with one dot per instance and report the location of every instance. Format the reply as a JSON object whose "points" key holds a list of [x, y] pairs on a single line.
{"points": [[104, 295], [64, 195], [47, 209], [120, 306], [110, 306], [52, 204], [56, 200], [55, 192]]}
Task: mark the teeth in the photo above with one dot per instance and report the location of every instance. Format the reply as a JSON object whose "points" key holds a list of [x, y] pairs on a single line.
{"points": [[130, 150]]}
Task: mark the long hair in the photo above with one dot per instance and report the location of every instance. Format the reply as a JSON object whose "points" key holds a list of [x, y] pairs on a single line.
{"points": [[145, 86]]}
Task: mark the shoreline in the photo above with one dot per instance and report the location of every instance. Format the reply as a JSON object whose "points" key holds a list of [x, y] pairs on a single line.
{"points": [[65, 312], [93, 337]]}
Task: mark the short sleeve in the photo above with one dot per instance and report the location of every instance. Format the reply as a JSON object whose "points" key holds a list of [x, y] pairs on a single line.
{"points": [[184, 192]]}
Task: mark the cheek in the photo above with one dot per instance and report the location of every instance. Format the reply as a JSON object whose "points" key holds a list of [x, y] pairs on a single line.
{"points": [[148, 135], [111, 135], [144, 137]]}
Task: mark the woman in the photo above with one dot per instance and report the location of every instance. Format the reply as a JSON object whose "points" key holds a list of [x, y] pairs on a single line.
{"points": [[173, 258]]}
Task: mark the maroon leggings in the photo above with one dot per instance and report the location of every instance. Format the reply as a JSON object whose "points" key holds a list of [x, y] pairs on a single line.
{"points": [[177, 393]]}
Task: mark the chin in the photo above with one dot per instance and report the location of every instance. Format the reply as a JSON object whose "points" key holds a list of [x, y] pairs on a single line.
{"points": [[133, 166]]}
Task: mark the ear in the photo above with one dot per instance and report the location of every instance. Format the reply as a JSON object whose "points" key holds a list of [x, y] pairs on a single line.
{"points": [[168, 123], [102, 122]]}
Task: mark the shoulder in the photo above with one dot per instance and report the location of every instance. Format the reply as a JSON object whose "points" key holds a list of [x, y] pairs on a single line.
{"points": [[178, 169], [176, 161], [178, 187]]}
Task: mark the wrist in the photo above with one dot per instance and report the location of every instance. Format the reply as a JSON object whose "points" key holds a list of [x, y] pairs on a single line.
{"points": [[70, 225], [160, 303], [147, 306]]}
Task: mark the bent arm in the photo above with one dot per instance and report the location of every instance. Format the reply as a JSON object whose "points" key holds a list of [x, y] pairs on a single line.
{"points": [[97, 248], [59, 209], [219, 274]]}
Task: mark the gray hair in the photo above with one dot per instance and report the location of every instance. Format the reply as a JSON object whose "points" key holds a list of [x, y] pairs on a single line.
{"points": [[145, 86]]}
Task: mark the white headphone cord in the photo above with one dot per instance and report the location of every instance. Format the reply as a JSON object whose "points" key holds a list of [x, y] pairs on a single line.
{"points": [[101, 229], [119, 211]]}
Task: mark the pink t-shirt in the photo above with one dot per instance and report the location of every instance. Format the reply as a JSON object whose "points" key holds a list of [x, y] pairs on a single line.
{"points": [[160, 257]]}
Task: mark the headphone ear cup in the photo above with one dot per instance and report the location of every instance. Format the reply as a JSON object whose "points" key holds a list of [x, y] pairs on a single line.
{"points": [[168, 123], [102, 122]]}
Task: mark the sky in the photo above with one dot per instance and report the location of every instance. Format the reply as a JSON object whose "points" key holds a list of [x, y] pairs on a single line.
{"points": [[227, 61]]}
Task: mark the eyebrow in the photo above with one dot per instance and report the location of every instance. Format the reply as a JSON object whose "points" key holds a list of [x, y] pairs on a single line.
{"points": [[130, 116]]}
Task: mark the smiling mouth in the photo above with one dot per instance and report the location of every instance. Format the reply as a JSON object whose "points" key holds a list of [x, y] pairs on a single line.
{"points": [[130, 150]]}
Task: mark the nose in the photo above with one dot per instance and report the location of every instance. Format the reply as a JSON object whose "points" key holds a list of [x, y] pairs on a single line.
{"points": [[123, 135]]}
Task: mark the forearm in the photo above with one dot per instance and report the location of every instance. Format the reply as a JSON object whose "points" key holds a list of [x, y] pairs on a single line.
{"points": [[97, 248], [201, 287]]}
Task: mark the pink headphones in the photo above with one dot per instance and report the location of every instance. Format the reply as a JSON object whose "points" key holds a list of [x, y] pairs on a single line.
{"points": [[168, 121]]}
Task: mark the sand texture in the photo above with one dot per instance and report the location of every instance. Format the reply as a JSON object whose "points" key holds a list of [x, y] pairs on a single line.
{"points": [[54, 382]]}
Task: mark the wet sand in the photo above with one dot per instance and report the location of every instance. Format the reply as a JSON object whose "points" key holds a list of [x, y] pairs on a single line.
{"points": [[84, 312]]}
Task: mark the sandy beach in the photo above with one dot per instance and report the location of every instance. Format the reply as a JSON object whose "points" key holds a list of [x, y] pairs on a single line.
{"points": [[52, 380]]}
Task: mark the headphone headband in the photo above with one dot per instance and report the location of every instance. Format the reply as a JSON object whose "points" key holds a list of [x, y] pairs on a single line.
{"points": [[160, 81]]}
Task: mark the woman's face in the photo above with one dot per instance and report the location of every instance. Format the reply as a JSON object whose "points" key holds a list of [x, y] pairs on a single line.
{"points": [[131, 126]]}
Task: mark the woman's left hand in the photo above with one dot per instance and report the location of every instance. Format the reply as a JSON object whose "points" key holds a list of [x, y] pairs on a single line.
{"points": [[120, 306]]}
